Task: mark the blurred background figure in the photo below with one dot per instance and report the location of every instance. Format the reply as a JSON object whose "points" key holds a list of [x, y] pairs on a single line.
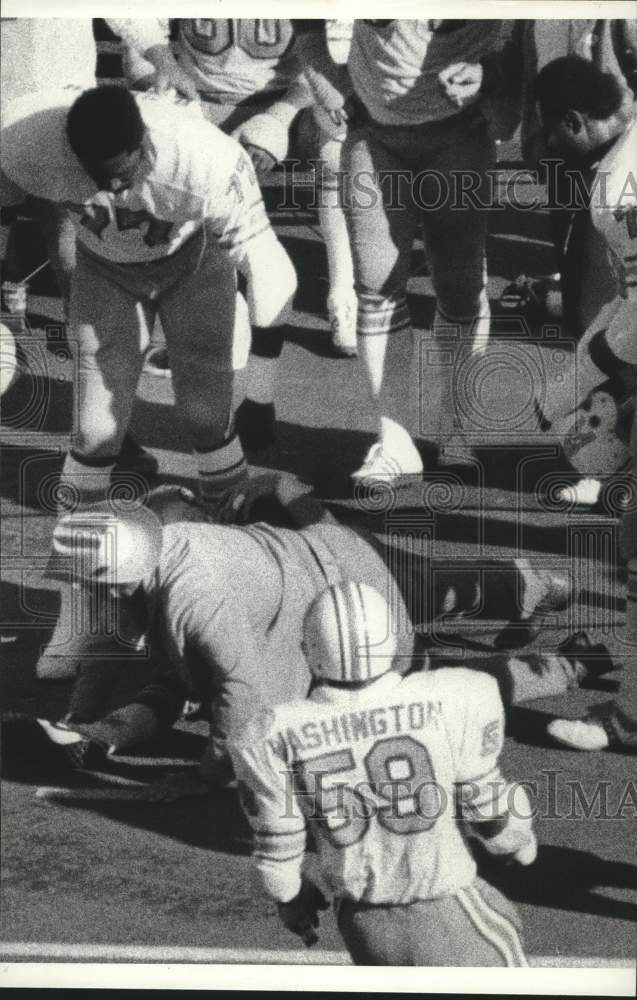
{"points": [[248, 76], [403, 122]]}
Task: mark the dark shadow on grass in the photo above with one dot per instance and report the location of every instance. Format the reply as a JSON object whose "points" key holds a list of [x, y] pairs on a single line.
{"points": [[564, 878]]}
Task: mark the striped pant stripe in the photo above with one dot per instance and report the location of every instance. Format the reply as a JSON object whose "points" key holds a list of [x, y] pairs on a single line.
{"points": [[497, 933], [506, 927]]}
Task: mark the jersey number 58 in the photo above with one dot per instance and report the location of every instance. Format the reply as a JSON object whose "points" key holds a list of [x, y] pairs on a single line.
{"points": [[401, 790]]}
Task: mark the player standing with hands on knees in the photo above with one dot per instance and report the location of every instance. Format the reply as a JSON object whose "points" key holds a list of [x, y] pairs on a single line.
{"points": [[378, 764]]}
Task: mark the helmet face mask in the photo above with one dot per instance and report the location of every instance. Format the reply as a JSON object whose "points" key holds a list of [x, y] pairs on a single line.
{"points": [[348, 635]]}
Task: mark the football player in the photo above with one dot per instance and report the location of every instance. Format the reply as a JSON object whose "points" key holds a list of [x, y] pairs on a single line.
{"points": [[166, 209], [588, 282], [377, 766], [587, 122], [249, 78], [223, 607], [38, 53], [403, 125]]}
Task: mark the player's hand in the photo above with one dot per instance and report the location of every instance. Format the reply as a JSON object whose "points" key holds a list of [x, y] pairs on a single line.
{"points": [[257, 488], [262, 161], [461, 81], [300, 915], [265, 137], [527, 853], [173, 77], [179, 785]]}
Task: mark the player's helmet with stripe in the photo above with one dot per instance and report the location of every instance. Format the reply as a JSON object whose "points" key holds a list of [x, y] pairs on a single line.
{"points": [[348, 636], [101, 545]]}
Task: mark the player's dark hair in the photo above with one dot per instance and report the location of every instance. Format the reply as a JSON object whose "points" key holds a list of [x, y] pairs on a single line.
{"points": [[104, 122], [575, 84]]}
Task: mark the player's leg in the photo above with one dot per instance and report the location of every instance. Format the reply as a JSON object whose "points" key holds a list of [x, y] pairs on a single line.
{"points": [[465, 929], [492, 927], [208, 335], [381, 242], [456, 152], [138, 706], [107, 333], [58, 233], [341, 298], [256, 416]]}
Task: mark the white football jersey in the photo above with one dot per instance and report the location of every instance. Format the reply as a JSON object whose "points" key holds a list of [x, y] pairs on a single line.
{"points": [[394, 65], [378, 775], [190, 173]]}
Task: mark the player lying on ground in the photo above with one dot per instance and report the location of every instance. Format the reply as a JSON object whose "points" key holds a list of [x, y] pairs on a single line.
{"points": [[587, 123], [377, 766], [221, 610], [166, 209]]}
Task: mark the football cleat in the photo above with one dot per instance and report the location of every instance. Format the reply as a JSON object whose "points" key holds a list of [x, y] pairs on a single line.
{"points": [[348, 634], [579, 734], [381, 467], [342, 316], [51, 742], [544, 593], [584, 493]]}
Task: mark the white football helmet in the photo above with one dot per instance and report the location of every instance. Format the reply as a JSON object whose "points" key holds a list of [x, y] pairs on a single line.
{"points": [[106, 546], [8, 358], [348, 634]]}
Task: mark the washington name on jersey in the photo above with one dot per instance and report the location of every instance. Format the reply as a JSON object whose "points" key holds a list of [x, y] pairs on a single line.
{"points": [[381, 774]]}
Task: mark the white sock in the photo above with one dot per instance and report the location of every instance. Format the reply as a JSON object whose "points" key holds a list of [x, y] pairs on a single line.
{"points": [[261, 378], [340, 267], [373, 350]]}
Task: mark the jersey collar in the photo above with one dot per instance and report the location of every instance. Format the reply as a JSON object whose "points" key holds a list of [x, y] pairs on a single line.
{"points": [[325, 694]]}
